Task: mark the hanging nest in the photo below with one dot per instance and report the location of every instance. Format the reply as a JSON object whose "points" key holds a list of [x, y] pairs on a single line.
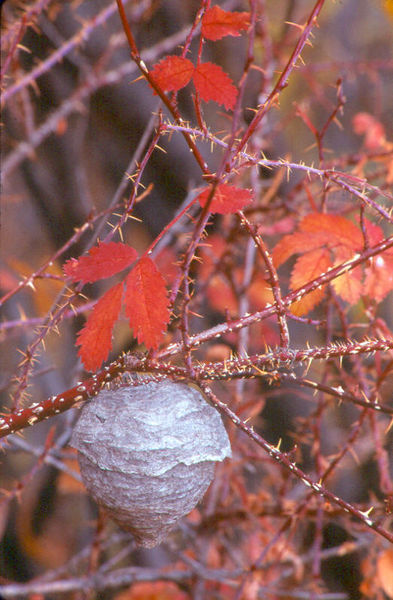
{"points": [[147, 454]]}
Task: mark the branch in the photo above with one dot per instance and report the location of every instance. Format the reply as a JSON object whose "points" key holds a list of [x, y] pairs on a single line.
{"points": [[265, 365], [282, 458]]}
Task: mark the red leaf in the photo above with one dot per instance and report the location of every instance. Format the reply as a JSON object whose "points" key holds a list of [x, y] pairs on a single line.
{"points": [[227, 199], [212, 83], [103, 260], [217, 23], [146, 303], [95, 339], [172, 73]]}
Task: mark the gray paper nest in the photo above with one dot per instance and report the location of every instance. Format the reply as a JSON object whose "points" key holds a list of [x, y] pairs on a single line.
{"points": [[147, 454]]}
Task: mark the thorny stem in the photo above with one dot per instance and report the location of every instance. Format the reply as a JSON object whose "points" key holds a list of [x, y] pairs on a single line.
{"points": [[280, 457], [268, 311], [95, 80], [170, 105], [274, 282], [264, 365], [342, 179], [59, 54], [283, 79]]}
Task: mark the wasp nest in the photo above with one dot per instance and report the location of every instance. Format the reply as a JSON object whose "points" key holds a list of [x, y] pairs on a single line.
{"points": [[147, 454]]}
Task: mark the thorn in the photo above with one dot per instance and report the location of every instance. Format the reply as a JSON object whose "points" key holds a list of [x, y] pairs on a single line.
{"points": [[301, 27], [31, 285], [259, 370], [162, 149], [367, 513], [308, 366], [363, 393], [389, 427], [22, 313]]}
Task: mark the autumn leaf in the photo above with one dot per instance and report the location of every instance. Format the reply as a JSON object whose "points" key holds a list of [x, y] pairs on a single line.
{"points": [[294, 243], [217, 23], [95, 339], [308, 267], [146, 303], [323, 241], [341, 239], [219, 292], [335, 230], [227, 199], [103, 260], [212, 83], [146, 307], [172, 73], [349, 285], [337, 233]]}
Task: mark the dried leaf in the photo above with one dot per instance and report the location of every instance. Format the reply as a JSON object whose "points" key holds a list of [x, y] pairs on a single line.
{"points": [[146, 303], [103, 260], [95, 339], [217, 23]]}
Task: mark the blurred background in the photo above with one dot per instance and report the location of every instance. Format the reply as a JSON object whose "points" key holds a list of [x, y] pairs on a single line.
{"points": [[76, 118]]}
